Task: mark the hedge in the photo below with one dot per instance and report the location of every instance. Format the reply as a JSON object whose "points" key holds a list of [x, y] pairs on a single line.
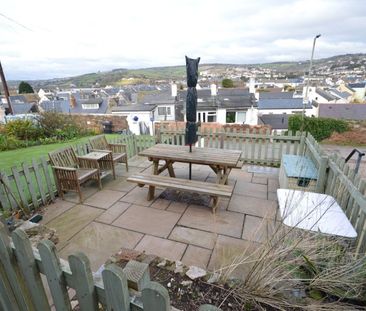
{"points": [[320, 128]]}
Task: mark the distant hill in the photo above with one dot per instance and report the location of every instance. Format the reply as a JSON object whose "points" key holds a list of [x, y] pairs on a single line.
{"points": [[151, 75]]}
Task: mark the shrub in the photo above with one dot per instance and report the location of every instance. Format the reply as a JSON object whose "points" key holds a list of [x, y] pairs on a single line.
{"points": [[59, 125], [227, 83], [23, 129], [320, 128]]}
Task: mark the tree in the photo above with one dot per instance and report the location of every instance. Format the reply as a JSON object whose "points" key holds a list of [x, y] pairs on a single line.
{"points": [[25, 88], [227, 83]]}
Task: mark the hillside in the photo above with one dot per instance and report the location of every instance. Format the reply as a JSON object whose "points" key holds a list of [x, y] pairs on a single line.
{"points": [[151, 75]]}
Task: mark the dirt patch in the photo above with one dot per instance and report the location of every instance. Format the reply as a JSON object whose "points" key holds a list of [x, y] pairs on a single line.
{"points": [[356, 136], [185, 294]]}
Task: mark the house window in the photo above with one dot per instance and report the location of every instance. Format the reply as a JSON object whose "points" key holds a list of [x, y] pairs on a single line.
{"points": [[206, 116], [230, 116], [240, 117], [211, 116], [164, 111], [90, 106]]}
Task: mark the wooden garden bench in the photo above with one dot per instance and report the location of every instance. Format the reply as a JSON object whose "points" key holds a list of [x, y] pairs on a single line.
{"points": [[71, 171], [119, 151], [214, 190]]}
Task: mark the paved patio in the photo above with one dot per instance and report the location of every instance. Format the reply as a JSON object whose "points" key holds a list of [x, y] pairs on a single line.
{"points": [[174, 226]]}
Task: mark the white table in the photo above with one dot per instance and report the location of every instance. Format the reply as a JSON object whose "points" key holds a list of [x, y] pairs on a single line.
{"points": [[315, 212]]}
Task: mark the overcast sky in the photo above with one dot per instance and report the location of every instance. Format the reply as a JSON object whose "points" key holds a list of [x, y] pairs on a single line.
{"points": [[48, 39]]}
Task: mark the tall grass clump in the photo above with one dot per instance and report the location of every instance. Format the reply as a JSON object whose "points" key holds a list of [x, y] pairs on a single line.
{"points": [[294, 269]]}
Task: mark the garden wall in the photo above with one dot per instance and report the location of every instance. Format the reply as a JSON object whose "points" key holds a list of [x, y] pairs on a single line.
{"points": [[94, 121]]}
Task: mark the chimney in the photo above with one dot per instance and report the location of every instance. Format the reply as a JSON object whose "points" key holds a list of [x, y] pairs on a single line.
{"points": [[174, 89], [251, 85], [72, 101], [213, 89]]}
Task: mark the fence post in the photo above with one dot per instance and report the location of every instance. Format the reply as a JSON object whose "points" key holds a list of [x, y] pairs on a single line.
{"points": [[322, 177], [116, 289], [28, 266], [14, 277], [84, 283], [155, 297], [302, 145], [55, 278]]}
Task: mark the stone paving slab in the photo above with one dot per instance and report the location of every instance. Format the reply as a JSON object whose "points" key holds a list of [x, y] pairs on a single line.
{"points": [[177, 207], [252, 206], [227, 250], [250, 189], [148, 220], [196, 256], [112, 213], [99, 241], [161, 247], [104, 198], [194, 237], [223, 222], [87, 190], [260, 180], [139, 196], [257, 229], [55, 209], [160, 204], [120, 184], [73, 220]]}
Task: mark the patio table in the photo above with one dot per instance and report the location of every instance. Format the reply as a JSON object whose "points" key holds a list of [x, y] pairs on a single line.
{"points": [[221, 161], [315, 212], [103, 160]]}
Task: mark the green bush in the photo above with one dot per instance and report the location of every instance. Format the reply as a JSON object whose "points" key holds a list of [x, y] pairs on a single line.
{"points": [[320, 128], [60, 126], [227, 83], [23, 129]]}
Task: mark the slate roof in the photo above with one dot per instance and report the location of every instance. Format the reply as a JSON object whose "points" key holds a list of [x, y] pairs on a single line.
{"points": [[282, 103], [358, 85], [56, 105], [339, 94], [328, 96], [343, 111], [101, 110], [228, 99], [134, 107], [22, 108], [276, 121], [273, 95], [164, 97]]}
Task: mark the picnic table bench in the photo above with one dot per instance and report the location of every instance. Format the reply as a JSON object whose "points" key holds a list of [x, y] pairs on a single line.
{"points": [[221, 161], [211, 189]]}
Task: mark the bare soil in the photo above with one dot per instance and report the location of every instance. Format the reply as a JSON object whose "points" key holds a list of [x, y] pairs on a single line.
{"points": [[356, 136]]}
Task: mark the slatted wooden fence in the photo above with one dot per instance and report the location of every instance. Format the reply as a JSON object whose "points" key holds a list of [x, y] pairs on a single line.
{"points": [[257, 146], [22, 288]]}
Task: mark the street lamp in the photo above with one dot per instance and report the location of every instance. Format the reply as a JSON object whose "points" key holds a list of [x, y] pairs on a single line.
{"points": [[306, 98]]}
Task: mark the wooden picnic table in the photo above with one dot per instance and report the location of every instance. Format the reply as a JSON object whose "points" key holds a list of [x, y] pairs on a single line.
{"points": [[221, 161]]}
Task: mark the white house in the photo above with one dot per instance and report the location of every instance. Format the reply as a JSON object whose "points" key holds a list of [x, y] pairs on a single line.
{"points": [[140, 117]]}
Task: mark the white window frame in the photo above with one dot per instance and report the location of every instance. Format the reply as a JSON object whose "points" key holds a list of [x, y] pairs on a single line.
{"points": [[167, 109]]}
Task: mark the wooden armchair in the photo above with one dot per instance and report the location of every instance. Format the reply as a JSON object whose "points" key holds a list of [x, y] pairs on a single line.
{"points": [[70, 171], [119, 151]]}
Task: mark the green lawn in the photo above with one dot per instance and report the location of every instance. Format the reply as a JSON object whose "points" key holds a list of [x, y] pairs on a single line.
{"points": [[16, 157]]}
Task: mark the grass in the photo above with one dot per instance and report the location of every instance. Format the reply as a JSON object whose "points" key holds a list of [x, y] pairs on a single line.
{"points": [[11, 158]]}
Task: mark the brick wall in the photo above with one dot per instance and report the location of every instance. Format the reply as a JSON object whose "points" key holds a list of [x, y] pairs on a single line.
{"points": [[179, 125], [94, 121]]}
